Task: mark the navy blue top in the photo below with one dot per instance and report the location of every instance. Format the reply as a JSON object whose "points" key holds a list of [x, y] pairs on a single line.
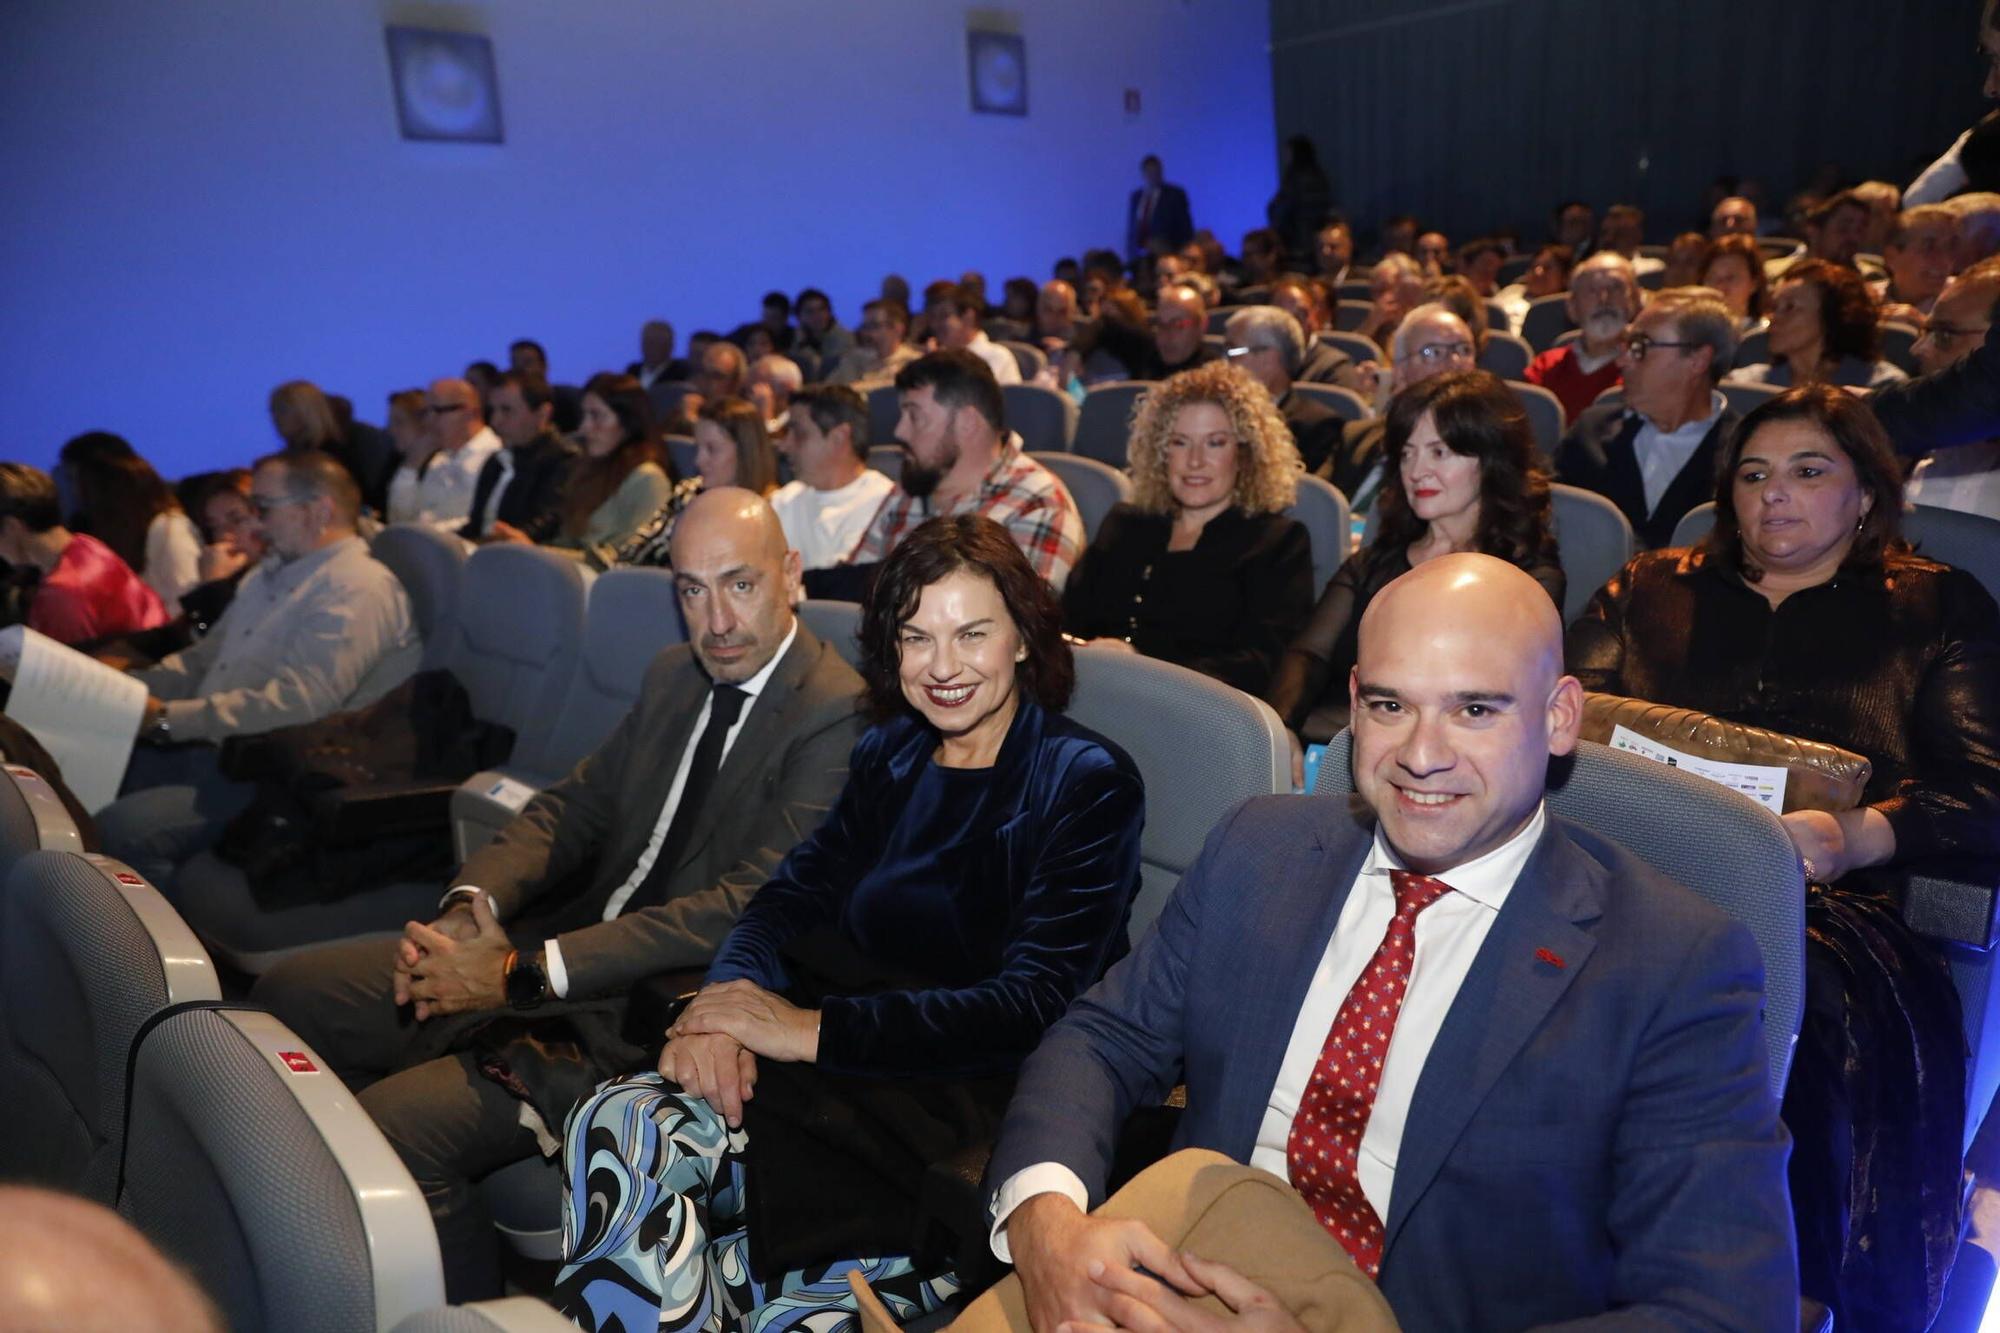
{"points": [[1003, 891]]}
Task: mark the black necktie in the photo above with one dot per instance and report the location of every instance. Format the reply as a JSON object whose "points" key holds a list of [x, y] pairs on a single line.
{"points": [[725, 705]]}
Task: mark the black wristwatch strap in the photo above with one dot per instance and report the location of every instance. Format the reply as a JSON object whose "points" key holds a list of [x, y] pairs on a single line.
{"points": [[528, 980]]}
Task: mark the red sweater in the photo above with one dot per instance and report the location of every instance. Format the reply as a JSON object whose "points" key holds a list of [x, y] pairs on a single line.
{"points": [[1557, 371], [92, 594]]}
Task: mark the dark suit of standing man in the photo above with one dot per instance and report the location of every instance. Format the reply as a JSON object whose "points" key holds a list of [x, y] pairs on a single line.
{"points": [[530, 472], [599, 882], [1156, 209], [1574, 1119]]}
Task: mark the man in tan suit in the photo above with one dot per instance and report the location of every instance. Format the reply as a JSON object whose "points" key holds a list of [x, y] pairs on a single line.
{"points": [[636, 863]]}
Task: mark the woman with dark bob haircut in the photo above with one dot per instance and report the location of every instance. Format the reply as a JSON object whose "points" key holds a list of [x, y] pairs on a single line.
{"points": [[1805, 613], [1462, 476], [1822, 329], [867, 1014]]}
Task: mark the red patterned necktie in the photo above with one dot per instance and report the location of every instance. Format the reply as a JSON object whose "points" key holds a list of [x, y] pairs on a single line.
{"points": [[1333, 1113]]}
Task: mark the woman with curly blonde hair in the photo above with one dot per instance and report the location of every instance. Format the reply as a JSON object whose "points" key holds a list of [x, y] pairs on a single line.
{"points": [[1202, 567]]}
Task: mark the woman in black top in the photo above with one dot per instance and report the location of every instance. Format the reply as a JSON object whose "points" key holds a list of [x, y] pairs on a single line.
{"points": [[1468, 480], [1202, 568], [1804, 613]]}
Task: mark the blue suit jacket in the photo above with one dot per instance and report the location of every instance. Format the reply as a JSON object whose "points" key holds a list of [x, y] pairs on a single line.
{"points": [[1171, 219], [1587, 1136]]}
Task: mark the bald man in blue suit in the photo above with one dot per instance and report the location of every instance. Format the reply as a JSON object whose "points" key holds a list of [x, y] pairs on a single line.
{"points": [[1573, 1123]]}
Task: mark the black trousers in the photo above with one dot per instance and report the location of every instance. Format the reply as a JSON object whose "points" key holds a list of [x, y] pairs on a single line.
{"points": [[450, 1125]]}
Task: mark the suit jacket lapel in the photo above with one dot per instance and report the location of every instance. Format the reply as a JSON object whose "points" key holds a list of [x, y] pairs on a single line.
{"points": [[1623, 483], [1695, 481], [1318, 879], [1506, 995]]}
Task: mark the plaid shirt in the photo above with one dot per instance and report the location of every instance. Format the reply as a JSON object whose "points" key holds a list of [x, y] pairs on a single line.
{"points": [[1018, 493]]}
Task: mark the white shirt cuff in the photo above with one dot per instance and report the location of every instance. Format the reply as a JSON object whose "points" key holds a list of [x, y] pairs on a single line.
{"points": [[1025, 1184], [558, 974]]}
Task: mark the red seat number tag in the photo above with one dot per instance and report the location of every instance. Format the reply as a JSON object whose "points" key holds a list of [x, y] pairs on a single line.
{"points": [[298, 1062]]}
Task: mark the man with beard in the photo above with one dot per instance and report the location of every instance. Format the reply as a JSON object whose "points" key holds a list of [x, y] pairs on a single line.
{"points": [[963, 460], [1603, 298]]}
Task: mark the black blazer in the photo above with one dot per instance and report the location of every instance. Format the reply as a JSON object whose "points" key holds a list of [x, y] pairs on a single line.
{"points": [[1171, 219], [541, 469], [1315, 427], [1598, 455]]}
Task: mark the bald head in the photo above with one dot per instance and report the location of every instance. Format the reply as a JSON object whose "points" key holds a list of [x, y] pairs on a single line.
{"points": [[736, 581], [71, 1264], [454, 412], [1459, 701]]}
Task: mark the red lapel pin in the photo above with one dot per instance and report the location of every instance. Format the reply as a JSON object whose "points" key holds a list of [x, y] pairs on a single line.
{"points": [[1546, 956]]}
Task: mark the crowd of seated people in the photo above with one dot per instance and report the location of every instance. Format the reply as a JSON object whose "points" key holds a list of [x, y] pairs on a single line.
{"points": [[886, 909]]}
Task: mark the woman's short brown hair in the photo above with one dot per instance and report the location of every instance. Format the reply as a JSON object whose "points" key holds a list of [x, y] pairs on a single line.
{"points": [[1851, 424], [939, 548]]}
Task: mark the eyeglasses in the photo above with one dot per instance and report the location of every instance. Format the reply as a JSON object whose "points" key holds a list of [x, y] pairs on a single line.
{"points": [[264, 504], [1638, 344], [1437, 354], [1942, 336], [1235, 352]]}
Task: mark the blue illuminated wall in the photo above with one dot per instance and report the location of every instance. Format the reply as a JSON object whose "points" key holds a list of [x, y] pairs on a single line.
{"points": [[204, 199]]}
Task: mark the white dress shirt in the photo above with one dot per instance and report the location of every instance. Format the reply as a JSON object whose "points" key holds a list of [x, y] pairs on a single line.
{"points": [[823, 526], [1005, 368], [444, 496], [1449, 934], [1663, 453], [558, 974]]}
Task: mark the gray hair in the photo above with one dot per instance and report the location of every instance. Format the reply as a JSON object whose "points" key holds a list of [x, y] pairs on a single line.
{"points": [[781, 371], [1700, 316], [1268, 326], [1399, 344]]}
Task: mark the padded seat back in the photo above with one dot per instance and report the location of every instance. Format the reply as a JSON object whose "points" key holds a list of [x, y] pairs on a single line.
{"points": [[836, 624], [1754, 348], [518, 632], [1547, 319], [633, 614], [1200, 746], [1719, 843], [884, 410], [1595, 541], [88, 952], [32, 818], [1350, 313], [250, 1164], [1104, 422], [1695, 524], [1029, 359], [430, 565], [1358, 348], [1324, 512], [887, 459], [1898, 343], [1093, 485], [1545, 415], [1350, 405], [681, 449], [1044, 418], [1506, 355], [1747, 398], [1969, 541]]}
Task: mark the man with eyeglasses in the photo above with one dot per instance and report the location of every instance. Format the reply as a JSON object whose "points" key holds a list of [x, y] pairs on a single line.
{"points": [[1179, 321], [1653, 453], [464, 443], [1966, 477], [1268, 344], [1431, 340], [1604, 297], [317, 627]]}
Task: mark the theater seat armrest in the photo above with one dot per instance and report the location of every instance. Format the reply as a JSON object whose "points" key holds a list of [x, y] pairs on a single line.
{"points": [[482, 805], [1959, 908]]}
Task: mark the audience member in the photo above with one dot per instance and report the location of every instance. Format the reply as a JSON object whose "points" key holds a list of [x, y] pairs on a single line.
{"points": [[1978, 224], [1572, 223], [318, 627], [773, 381], [1015, 321], [621, 479], [1546, 275], [1268, 343], [1263, 260], [1396, 284], [1333, 251], [881, 349], [1465, 476], [1479, 264], [827, 506], [1687, 258], [86, 591], [482, 376], [307, 418], [732, 448], [1735, 269], [1640, 1017], [1836, 228], [464, 442], [1203, 567], [656, 364], [1654, 453], [1055, 316], [1459, 296], [1622, 232], [522, 484], [1399, 236], [963, 460], [1431, 341], [638, 861], [72, 1265], [1920, 255], [1116, 344], [954, 315], [1803, 612], [724, 373], [895, 287], [416, 446], [1322, 363], [1734, 216], [876, 1022], [1966, 477], [122, 502], [1822, 328], [1179, 320], [1433, 254], [1604, 297], [821, 341], [1885, 203], [1304, 198], [1157, 213], [774, 325]]}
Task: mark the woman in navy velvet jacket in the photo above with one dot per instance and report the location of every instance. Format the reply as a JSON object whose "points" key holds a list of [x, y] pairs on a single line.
{"points": [[867, 1014]]}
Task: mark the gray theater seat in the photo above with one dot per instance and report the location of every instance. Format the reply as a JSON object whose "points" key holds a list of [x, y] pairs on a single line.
{"points": [[1095, 486], [1350, 405], [1105, 420], [88, 952], [1545, 415], [1546, 321], [1594, 541], [517, 1314], [1323, 510], [250, 1163], [32, 817], [1506, 355], [836, 624], [429, 565], [1044, 418]]}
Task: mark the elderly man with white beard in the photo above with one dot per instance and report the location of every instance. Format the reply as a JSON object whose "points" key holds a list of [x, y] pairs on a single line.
{"points": [[1604, 297]]}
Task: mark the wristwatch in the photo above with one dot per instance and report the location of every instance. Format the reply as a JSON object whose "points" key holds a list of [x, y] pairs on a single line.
{"points": [[527, 979], [158, 733]]}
